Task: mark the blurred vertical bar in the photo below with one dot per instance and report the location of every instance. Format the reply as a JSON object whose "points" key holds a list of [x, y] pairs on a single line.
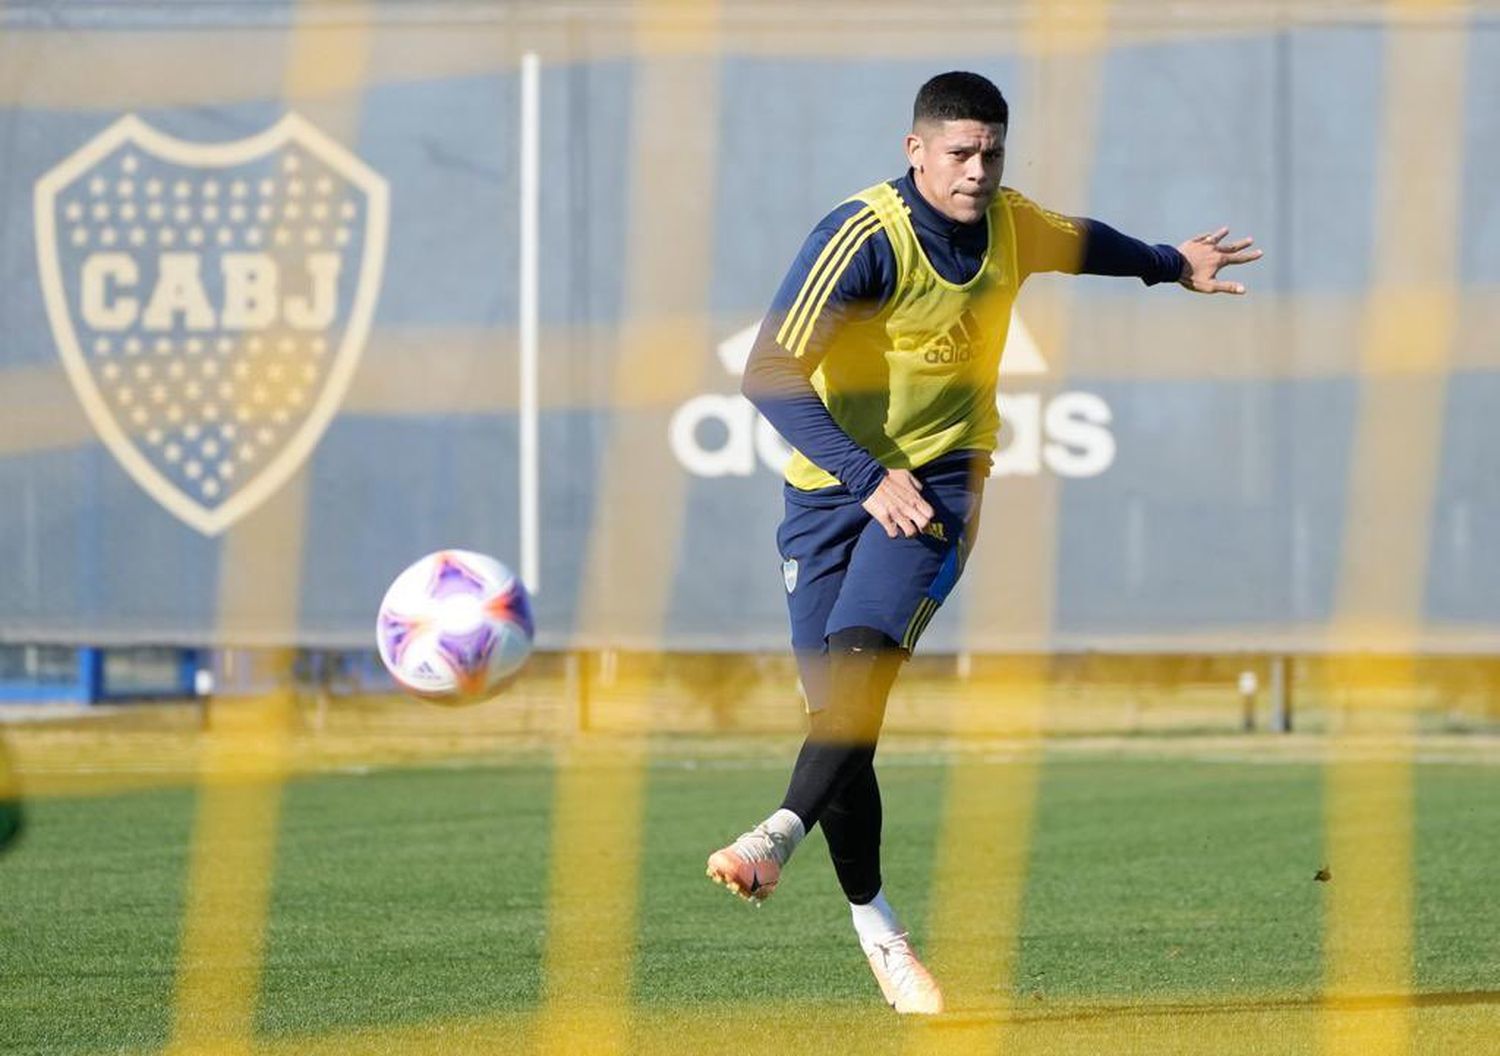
{"points": [[1405, 345], [982, 858], [630, 567], [243, 760], [528, 304]]}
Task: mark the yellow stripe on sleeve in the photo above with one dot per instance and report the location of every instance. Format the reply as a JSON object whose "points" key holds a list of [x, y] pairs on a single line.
{"points": [[1057, 220], [817, 272], [803, 330]]}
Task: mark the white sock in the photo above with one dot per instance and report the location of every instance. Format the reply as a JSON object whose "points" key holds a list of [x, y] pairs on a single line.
{"points": [[875, 921], [786, 832]]}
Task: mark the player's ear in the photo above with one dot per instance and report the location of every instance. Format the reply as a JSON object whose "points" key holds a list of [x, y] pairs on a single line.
{"points": [[914, 150]]}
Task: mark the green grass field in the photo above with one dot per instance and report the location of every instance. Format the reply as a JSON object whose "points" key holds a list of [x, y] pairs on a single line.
{"points": [[1169, 898]]}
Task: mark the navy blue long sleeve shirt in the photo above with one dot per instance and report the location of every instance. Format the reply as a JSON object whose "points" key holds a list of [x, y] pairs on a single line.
{"points": [[777, 381]]}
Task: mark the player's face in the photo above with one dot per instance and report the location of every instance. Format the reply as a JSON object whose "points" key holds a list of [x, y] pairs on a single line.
{"points": [[957, 166]]}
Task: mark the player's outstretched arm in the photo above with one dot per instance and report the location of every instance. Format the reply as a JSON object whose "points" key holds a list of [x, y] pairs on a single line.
{"points": [[1204, 255]]}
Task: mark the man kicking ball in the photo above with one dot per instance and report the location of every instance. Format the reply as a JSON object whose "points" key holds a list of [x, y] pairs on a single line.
{"points": [[878, 363]]}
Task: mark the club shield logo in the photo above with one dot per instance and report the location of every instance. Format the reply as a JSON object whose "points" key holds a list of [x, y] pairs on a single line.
{"points": [[210, 301]]}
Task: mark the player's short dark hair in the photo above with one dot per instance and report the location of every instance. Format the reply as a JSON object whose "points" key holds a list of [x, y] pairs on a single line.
{"points": [[960, 96]]}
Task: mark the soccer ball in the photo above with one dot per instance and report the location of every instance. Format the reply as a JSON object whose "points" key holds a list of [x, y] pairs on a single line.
{"points": [[455, 627]]}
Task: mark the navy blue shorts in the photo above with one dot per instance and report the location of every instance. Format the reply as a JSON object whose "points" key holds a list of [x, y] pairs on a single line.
{"points": [[841, 570]]}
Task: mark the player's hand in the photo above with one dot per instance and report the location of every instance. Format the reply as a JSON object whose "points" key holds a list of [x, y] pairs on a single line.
{"points": [[898, 504], [1203, 256]]}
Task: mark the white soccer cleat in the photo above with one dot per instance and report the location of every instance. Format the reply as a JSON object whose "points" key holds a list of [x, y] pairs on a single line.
{"points": [[904, 980], [751, 865]]}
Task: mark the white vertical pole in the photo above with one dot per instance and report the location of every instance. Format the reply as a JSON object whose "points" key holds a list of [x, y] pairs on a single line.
{"points": [[530, 196]]}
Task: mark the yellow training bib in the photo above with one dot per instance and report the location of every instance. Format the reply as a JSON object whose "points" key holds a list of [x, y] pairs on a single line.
{"points": [[918, 379]]}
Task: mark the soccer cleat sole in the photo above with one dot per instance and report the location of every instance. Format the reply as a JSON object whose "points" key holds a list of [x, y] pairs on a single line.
{"points": [[734, 888], [723, 874]]}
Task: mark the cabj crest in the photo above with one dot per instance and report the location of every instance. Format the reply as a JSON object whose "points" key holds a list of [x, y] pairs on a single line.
{"points": [[210, 301]]}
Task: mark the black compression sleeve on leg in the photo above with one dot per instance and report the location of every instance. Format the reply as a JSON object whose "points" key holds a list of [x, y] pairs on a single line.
{"points": [[863, 663], [851, 824]]}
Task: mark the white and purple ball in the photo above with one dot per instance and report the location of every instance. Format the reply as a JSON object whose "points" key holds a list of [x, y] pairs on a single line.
{"points": [[455, 627]]}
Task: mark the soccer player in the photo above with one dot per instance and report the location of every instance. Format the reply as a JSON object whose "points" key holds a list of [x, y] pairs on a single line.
{"points": [[878, 363]]}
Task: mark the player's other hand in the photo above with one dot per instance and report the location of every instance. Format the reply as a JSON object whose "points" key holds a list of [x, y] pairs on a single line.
{"points": [[898, 504], [1203, 256]]}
